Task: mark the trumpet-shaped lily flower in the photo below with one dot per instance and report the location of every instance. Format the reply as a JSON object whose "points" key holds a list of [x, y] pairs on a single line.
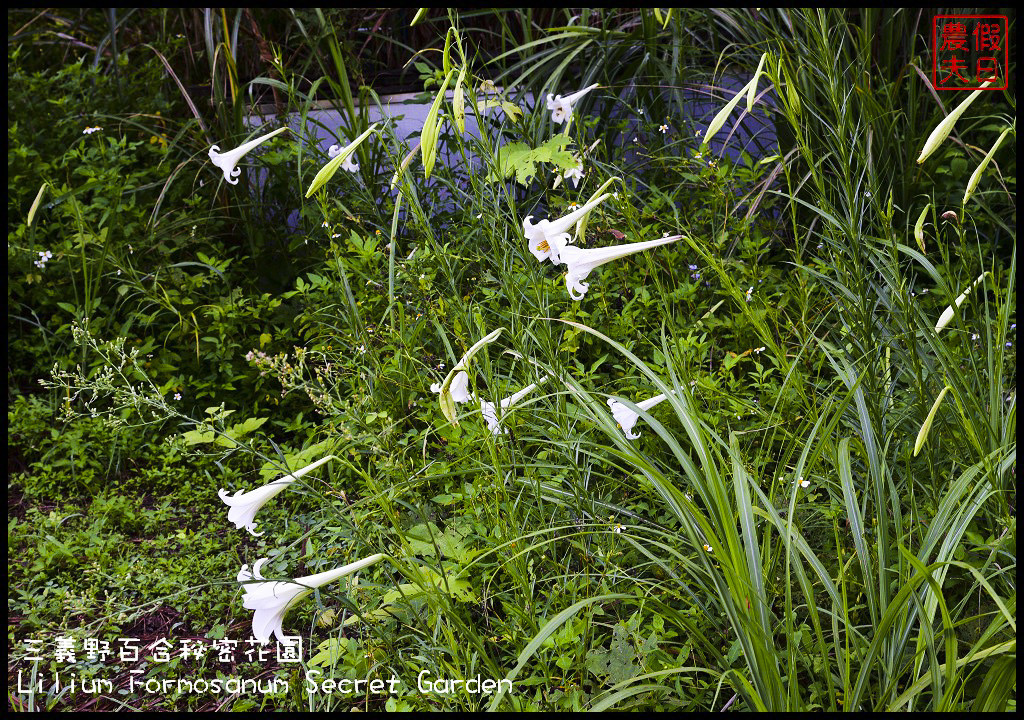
{"points": [[627, 418], [581, 262], [447, 398], [228, 160], [948, 313], [348, 163], [244, 506], [561, 107], [575, 174], [271, 599], [489, 409], [328, 170], [459, 387], [548, 236]]}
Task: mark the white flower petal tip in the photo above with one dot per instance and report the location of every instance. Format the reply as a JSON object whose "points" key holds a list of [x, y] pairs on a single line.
{"points": [[547, 237], [581, 262], [348, 163], [227, 161], [270, 600], [561, 107], [340, 157], [244, 505], [627, 418]]}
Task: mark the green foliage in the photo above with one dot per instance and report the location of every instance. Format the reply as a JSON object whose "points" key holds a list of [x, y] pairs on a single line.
{"points": [[772, 539]]}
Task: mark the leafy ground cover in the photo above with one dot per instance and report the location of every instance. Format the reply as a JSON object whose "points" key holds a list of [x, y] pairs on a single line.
{"points": [[767, 464]]}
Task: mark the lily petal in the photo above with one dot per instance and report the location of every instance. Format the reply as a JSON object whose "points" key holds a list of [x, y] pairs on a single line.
{"points": [[328, 170], [627, 418], [489, 409], [348, 163], [548, 236]]}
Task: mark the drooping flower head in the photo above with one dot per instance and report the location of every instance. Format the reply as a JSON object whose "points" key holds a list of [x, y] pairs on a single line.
{"points": [[244, 506], [446, 391], [459, 387], [627, 418], [271, 599], [227, 161], [489, 409], [548, 236], [582, 261], [561, 107]]}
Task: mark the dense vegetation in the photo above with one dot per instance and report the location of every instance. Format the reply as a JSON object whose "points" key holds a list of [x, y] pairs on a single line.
{"points": [[820, 512]]}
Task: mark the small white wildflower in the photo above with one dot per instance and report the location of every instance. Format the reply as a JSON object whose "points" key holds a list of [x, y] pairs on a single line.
{"points": [[177, 396], [91, 130], [750, 291], [804, 483], [663, 128]]}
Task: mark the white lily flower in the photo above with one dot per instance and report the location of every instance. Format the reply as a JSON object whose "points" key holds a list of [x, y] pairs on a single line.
{"points": [[244, 506], [548, 236], [627, 418], [575, 174], [581, 262], [489, 409], [227, 161], [948, 313], [348, 163], [459, 387], [561, 107], [446, 399], [271, 599]]}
